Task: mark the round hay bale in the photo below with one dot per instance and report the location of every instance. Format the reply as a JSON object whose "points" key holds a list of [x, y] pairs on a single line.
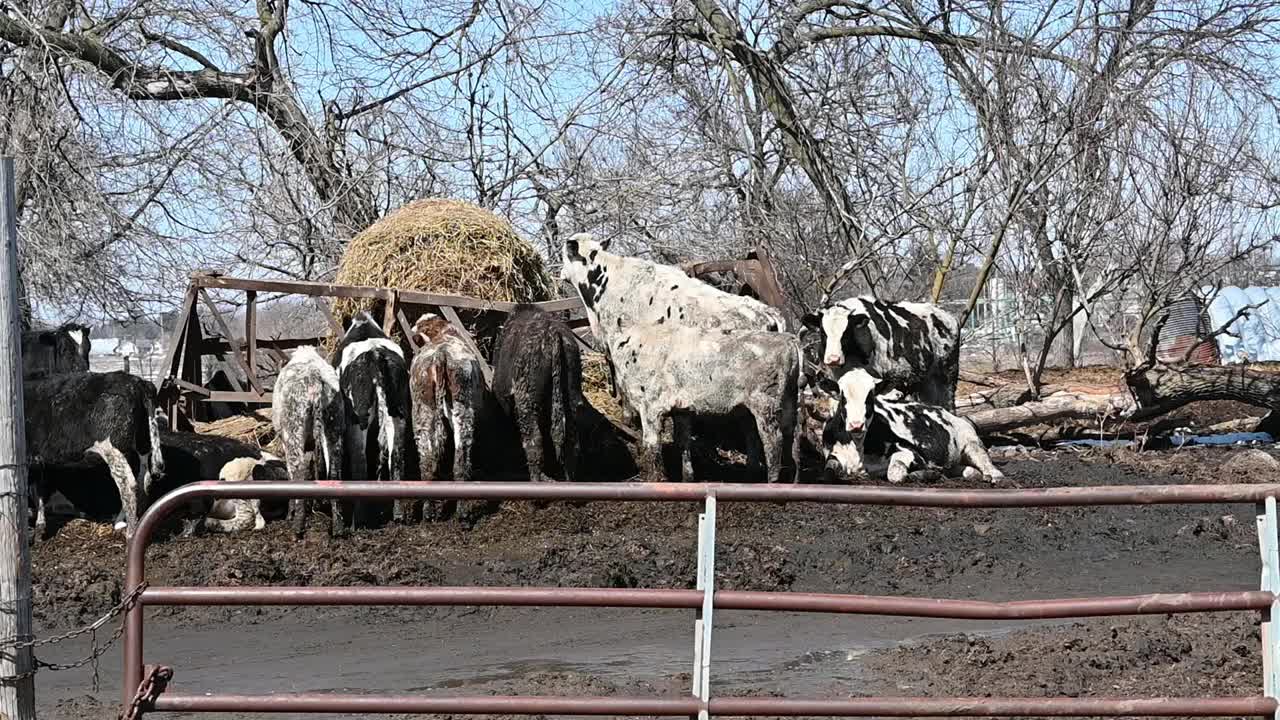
{"points": [[442, 246]]}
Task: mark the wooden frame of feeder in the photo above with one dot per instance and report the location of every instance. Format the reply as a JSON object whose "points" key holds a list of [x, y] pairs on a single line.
{"points": [[184, 386], [183, 389]]}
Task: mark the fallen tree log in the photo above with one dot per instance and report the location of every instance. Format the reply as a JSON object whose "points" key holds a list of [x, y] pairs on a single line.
{"points": [[1160, 388], [1052, 409]]}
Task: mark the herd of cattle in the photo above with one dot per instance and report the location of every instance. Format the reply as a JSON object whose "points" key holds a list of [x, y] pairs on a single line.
{"points": [[677, 348]]}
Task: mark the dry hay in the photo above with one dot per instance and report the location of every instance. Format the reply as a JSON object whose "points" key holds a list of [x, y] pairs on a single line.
{"points": [[596, 387], [254, 429], [442, 246]]}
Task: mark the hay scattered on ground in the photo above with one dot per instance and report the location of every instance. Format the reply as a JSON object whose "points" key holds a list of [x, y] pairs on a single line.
{"points": [[254, 429], [443, 246]]}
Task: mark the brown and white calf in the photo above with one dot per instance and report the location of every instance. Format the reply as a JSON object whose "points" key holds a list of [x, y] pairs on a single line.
{"points": [[448, 390]]}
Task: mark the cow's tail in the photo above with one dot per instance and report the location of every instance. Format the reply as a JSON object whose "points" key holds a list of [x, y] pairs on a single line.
{"points": [[155, 458], [321, 457], [566, 365]]}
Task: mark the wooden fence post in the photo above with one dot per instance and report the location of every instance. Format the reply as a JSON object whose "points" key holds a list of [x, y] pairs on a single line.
{"points": [[17, 686]]}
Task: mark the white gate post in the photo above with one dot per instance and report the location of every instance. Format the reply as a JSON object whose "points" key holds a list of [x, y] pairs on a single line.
{"points": [[706, 582], [1269, 547]]}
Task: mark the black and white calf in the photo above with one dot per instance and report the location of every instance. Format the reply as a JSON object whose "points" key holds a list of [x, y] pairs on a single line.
{"points": [[913, 347], [310, 418], [448, 389], [50, 352], [909, 435], [374, 378], [537, 383], [74, 417]]}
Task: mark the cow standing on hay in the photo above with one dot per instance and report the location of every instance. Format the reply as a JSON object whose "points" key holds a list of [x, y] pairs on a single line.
{"points": [[310, 418], [538, 385], [912, 347], [374, 379], [72, 418], [448, 390], [680, 350]]}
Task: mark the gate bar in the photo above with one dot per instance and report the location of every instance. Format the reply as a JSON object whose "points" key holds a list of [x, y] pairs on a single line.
{"points": [[697, 492], [135, 573], [725, 706], [1152, 604]]}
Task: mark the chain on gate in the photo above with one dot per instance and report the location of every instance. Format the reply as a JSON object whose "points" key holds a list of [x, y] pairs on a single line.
{"points": [[97, 650], [155, 678]]}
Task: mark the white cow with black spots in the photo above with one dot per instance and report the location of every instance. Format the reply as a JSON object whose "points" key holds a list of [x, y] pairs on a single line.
{"points": [[645, 293], [913, 347], [683, 349], [909, 435]]}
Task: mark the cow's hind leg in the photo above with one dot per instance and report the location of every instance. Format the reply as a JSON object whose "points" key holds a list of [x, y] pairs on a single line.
{"points": [[528, 412], [900, 465], [682, 435], [771, 443], [650, 460]]}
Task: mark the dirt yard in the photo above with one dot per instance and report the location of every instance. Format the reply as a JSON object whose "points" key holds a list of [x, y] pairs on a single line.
{"points": [[956, 554]]}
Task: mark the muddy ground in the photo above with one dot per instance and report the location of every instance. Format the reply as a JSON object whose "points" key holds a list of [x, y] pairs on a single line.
{"points": [[957, 554]]}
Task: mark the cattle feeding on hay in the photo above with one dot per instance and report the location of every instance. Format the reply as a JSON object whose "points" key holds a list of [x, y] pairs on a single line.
{"points": [[448, 391], [309, 415], [914, 347], [669, 367], [909, 435], [72, 418], [374, 379], [537, 383], [50, 352]]}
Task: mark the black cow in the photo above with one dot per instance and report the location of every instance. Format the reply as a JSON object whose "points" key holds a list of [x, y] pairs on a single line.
{"points": [[74, 416], [374, 380], [188, 457], [538, 385]]}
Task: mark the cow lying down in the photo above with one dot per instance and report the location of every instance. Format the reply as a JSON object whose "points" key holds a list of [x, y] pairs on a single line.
{"points": [[908, 435]]}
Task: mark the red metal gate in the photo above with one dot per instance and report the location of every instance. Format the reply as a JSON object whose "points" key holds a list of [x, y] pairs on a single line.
{"points": [[706, 599]]}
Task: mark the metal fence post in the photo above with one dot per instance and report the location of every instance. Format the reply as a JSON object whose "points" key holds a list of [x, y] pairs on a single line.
{"points": [[1269, 547], [704, 623]]}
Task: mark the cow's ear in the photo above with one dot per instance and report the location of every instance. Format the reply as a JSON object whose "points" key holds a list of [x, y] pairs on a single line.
{"points": [[859, 320], [813, 321], [571, 248], [605, 243]]}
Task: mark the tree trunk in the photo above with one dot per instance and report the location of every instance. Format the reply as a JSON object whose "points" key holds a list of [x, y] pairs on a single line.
{"points": [[1162, 388]]}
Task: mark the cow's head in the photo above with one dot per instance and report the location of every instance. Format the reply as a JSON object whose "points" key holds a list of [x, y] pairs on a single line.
{"points": [[582, 266], [430, 329], [79, 334], [857, 392], [363, 327], [844, 324]]}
